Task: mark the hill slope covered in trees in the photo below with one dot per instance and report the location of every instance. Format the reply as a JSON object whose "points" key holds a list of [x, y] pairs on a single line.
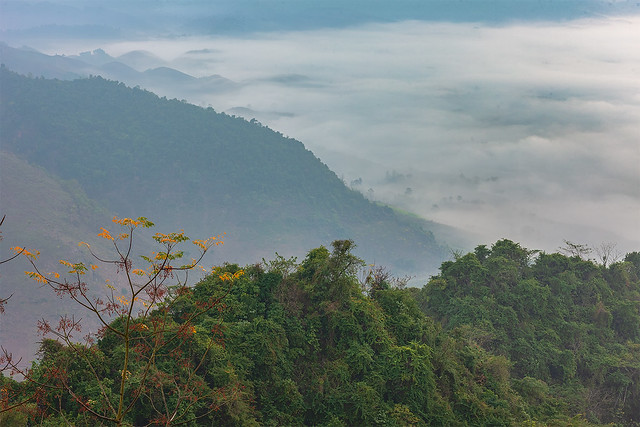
{"points": [[47, 214], [501, 337], [138, 154]]}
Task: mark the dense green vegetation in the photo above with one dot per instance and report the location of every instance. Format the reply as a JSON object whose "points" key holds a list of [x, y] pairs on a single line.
{"points": [[502, 336], [134, 152], [569, 328]]}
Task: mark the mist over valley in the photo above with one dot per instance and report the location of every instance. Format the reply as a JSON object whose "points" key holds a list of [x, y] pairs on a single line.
{"points": [[523, 125]]}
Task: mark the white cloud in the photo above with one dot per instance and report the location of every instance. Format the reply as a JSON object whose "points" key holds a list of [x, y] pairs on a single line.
{"points": [[528, 131]]}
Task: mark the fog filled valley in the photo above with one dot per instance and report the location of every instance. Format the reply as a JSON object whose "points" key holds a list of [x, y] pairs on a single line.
{"points": [[430, 213], [524, 126]]}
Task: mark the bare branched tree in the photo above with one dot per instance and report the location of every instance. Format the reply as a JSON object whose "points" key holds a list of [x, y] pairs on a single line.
{"points": [[607, 253], [3, 300]]}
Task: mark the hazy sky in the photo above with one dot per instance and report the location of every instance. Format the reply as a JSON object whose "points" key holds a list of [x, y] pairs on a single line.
{"points": [[528, 131]]}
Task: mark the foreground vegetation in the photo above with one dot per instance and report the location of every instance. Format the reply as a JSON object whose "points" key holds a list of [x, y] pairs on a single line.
{"points": [[502, 336]]}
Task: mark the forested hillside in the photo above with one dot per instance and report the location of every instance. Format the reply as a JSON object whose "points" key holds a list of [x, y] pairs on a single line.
{"points": [[136, 153], [569, 329], [47, 214], [503, 336]]}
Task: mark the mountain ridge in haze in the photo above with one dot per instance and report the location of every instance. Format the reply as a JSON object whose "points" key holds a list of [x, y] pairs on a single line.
{"points": [[186, 166], [133, 69]]}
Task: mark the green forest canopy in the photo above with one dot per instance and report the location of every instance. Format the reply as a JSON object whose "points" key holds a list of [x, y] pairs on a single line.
{"points": [[502, 336]]}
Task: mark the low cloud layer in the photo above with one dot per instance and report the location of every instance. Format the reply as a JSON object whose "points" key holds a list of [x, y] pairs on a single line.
{"points": [[526, 131]]}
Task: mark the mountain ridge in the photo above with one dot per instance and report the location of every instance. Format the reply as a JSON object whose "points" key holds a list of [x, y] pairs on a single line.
{"points": [[131, 148]]}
